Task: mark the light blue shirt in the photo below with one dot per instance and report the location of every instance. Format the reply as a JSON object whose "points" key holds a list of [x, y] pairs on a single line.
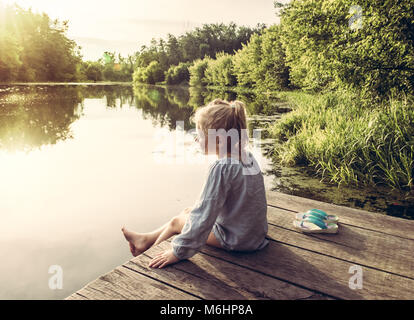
{"points": [[232, 205]]}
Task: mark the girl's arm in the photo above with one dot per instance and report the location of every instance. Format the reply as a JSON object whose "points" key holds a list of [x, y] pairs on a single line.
{"points": [[204, 214]]}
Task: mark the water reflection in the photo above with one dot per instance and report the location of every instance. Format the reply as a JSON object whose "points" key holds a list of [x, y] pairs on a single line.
{"points": [[163, 106], [31, 117]]}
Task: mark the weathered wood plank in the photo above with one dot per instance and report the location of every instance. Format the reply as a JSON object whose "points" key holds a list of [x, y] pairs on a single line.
{"points": [[360, 246], [318, 272], [76, 296], [355, 217], [124, 284], [212, 278]]}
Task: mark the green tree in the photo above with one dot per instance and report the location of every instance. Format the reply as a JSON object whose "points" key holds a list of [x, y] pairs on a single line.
{"points": [[246, 61], [151, 74], [220, 71], [197, 72], [33, 47], [332, 44], [261, 63], [9, 59], [94, 71], [178, 74], [196, 44]]}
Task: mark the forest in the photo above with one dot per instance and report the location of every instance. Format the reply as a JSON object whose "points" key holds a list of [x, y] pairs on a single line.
{"points": [[36, 48]]}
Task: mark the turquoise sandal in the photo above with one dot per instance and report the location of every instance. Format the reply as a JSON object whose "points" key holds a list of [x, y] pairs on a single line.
{"points": [[322, 215], [315, 225]]}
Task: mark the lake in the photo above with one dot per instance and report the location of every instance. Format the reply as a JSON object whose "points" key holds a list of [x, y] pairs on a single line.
{"points": [[77, 162]]}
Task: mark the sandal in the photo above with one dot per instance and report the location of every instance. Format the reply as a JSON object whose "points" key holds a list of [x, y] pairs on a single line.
{"points": [[322, 215], [315, 225]]}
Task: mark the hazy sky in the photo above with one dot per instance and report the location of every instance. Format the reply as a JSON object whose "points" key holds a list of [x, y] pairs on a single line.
{"points": [[125, 25]]}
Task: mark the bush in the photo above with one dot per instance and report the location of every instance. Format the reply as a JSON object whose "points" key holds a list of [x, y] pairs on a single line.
{"points": [[150, 74], [261, 63], [197, 72], [177, 74], [93, 71], [220, 71], [374, 53]]}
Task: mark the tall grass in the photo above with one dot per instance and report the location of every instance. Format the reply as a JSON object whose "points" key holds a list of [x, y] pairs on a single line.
{"points": [[348, 140]]}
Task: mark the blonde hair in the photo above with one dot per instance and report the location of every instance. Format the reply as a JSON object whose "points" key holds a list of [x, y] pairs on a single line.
{"points": [[221, 114]]}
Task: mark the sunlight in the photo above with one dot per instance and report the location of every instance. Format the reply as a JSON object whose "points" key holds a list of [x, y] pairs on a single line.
{"points": [[50, 7]]}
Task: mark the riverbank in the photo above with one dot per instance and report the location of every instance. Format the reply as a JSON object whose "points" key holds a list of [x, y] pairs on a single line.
{"points": [[344, 137], [347, 140], [341, 136]]}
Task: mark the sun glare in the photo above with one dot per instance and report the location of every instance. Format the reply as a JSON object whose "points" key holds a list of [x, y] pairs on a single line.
{"points": [[49, 7]]}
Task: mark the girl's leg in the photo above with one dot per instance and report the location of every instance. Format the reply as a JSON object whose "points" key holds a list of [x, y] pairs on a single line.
{"points": [[140, 242], [212, 241], [176, 226]]}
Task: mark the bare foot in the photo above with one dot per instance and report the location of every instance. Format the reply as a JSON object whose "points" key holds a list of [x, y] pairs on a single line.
{"points": [[138, 242]]}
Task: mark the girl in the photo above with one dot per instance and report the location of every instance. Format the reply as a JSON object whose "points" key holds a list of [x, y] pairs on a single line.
{"points": [[231, 211]]}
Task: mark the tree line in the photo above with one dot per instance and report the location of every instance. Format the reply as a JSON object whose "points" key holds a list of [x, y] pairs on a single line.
{"points": [[36, 48], [317, 45]]}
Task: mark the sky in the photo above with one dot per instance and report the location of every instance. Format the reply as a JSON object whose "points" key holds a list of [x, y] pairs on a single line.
{"points": [[125, 25]]}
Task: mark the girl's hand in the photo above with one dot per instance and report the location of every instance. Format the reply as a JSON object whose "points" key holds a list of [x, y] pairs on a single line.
{"points": [[163, 259]]}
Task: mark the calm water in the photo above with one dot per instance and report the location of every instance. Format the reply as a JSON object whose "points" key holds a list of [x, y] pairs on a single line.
{"points": [[79, 162]]}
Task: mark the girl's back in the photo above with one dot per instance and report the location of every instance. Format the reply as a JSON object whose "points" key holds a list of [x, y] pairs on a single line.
{"points": [[242, 225]]}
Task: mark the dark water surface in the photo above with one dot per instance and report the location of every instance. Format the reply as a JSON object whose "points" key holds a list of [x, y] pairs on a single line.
{"points": [[79, 162]]}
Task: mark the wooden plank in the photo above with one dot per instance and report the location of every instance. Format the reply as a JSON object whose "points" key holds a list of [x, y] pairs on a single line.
{"points": [[212, 278], [355, 217], [76, 296], [356, 245], [317, 272], [124, 284]]}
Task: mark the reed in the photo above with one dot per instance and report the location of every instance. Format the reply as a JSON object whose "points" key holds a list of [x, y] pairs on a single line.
{"points": [[347, 139]]}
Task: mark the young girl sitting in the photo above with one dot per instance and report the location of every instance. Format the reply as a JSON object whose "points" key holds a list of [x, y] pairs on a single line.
{"points": [[231, 211]]}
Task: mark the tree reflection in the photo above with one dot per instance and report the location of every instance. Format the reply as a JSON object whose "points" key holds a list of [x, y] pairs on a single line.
{"points": [[34, 116], [164, 106]]}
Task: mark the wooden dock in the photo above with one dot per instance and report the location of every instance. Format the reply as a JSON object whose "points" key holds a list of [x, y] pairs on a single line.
{"points": [[292, 266]]}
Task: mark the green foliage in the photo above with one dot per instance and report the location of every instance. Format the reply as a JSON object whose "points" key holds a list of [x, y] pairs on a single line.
{"points": [[197, 72], [346, 142], [261, 63], [273, 74], [35, 48], [220, 71], [246, 61], [202, 42], [325, 50], [9, 59], [94, 71], [178, 74], [151, 74]]}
